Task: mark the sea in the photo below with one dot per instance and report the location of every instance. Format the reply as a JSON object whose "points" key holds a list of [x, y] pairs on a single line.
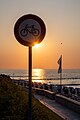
{"points": [[49, 76]]}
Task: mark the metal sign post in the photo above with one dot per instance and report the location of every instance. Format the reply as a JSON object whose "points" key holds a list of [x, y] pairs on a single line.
{"points": [[30, 83], [29, 30]]}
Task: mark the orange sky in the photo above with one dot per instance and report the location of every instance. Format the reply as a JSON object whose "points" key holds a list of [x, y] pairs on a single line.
{"points": [[62, 19]]}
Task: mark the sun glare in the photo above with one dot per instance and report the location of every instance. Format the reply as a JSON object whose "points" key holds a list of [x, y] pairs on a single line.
{"points": [[37, 46]]}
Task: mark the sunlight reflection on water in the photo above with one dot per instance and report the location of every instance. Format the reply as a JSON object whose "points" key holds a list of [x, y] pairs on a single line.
{"points": [[70, 76], [38, 75]]}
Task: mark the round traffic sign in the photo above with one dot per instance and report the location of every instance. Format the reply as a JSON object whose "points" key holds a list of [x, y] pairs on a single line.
{"points": [[29, 30]]}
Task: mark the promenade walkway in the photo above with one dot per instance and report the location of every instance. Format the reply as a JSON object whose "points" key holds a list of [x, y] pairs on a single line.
{"points": [[62, 111]]}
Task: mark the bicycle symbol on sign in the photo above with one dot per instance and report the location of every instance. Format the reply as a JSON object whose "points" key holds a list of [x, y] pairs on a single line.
{"points": [[29, 29]]}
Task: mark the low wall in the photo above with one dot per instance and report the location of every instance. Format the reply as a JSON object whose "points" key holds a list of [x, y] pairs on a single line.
{"points": [[69, 103], [46, 93], [65, 101]]}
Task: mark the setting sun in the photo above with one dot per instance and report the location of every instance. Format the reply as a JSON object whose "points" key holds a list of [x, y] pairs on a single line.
{"points": [[37, 46]]}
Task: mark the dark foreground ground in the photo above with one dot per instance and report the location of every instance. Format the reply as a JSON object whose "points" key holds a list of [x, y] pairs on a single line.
{"points": [[14, 103]]}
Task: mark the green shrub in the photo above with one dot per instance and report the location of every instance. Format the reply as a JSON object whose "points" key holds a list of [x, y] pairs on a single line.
{"points": [[13, 101]]}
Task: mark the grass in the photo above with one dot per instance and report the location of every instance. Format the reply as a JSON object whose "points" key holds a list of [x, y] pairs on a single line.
{"points": [[41, 112]]}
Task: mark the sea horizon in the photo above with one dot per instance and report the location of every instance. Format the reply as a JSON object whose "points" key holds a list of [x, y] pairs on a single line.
{"points": [[69, 76]]}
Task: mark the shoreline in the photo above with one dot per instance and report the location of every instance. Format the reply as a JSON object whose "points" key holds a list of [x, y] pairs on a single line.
{"points": [[75, 85]]}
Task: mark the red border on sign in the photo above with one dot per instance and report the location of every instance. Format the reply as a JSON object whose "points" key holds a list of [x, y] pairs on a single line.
{"points": [[25, 17]]}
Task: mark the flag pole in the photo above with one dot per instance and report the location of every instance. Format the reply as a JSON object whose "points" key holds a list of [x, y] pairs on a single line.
{"points": [[60, 78]]}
